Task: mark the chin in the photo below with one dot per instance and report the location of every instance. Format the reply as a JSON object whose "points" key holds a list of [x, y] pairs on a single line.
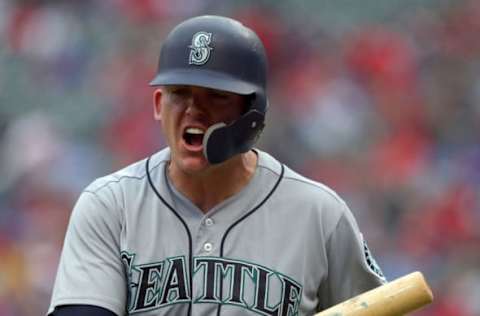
{"points": [[193, 165]]}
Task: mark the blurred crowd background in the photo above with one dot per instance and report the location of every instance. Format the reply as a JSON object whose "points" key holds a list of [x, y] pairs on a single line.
{"points": [[380, 100]]}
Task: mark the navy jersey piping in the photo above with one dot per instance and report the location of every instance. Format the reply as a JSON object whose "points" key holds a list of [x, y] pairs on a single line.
{"points": [[190, 250], [257, 207]]}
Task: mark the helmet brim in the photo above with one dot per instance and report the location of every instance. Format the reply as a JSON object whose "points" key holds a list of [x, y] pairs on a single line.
{"points": [[206, 79]]}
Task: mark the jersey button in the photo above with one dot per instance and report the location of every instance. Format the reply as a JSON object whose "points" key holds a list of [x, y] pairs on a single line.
{"points": [[209, 221], [208, 247]]}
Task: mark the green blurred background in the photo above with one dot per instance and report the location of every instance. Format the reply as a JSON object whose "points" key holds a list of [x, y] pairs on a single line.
{"points": [[379, 100]]}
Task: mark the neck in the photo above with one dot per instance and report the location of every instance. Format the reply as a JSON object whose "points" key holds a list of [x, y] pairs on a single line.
{"points": [[217, 183]]}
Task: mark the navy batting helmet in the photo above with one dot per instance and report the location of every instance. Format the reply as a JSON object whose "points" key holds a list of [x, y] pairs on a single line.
{"points": [[219, 53]]}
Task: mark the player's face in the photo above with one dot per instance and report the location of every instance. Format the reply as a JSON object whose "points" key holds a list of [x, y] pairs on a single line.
{"points": [[186, 112]]}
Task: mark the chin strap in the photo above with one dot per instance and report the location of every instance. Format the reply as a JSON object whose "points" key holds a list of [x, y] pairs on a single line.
{"points": [[222, 141]]}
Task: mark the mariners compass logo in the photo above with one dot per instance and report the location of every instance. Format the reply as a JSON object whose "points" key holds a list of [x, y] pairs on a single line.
{"points": [[199, 50]]}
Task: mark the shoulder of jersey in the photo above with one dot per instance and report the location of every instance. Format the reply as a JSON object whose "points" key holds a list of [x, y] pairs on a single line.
{"points": [[135, 171], [307, 199], [300, 183]]}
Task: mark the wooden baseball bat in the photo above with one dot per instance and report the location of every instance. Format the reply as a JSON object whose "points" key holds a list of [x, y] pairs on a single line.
{"points": [[401, 296]]}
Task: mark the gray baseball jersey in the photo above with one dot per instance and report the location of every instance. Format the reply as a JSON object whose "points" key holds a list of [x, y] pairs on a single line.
{"points": [[284, 245]]}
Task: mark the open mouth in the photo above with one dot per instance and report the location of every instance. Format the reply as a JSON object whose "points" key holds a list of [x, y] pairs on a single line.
{"points": [[193, 136]]}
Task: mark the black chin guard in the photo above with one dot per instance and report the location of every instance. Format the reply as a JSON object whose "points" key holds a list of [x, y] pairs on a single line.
{"points": [[222, 142]]}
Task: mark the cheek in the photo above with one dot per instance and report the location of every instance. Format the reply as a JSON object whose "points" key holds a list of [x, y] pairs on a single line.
{"points": [[170, 119], [232, 113]]}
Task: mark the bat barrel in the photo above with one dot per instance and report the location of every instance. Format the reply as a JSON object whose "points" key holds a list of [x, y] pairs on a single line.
{"points": [[398, 297]]}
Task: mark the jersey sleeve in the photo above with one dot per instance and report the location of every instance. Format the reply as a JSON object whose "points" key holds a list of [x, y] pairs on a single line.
{"points": [[90, 271], [351, 267]]}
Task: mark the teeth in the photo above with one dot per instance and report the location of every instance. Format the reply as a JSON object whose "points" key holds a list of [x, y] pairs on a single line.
{"points": [[194, 130]]}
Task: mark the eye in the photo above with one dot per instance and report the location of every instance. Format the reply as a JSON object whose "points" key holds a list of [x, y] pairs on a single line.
{"points": [[220, 96], [179, 94], [180, 91]]}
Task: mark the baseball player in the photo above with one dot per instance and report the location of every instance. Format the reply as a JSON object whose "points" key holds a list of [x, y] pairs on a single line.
{"points": [[210, 225]]}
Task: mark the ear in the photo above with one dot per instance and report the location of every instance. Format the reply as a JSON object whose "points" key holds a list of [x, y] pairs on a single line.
{"points": [[157, 104]]}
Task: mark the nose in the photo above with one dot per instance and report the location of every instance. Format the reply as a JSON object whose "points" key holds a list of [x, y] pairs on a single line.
{"points": [[198, 105]]}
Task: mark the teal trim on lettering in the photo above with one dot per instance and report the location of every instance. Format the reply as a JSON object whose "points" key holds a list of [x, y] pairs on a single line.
{"points": [[224, 268], [254, 275], [272, 273], [202, 299], [297, 300], [128, 260], [228, 271], [185, 277], [152, 293], [157, 292]]}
